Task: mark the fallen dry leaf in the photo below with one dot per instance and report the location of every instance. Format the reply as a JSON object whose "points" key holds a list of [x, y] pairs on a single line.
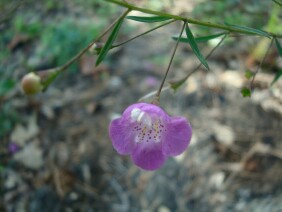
{"points": [[31, 156], [22, 134]]}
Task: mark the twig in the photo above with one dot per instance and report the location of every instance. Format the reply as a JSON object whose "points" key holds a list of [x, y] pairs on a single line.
{"points": [[190, 20], [8, 15], [261, 62], [167, 70], [188, 75], [153, 93], [144, 33], [71, 61], [56, 71], [208, 55]]}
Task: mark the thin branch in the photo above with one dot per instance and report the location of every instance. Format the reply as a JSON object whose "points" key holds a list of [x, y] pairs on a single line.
{"points": [[76, 57], [144, 33], [260, 65], [153, 93], [208, 55], [190, 20], [56, 71], [8, 15], [188, 75], [170, 62]]}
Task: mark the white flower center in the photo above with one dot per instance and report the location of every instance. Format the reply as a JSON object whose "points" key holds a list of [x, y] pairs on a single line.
{"points": [[147, 129], [140, 116]]}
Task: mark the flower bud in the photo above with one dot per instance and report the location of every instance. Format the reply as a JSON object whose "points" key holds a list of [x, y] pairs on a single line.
{"points": [[31, 84]]}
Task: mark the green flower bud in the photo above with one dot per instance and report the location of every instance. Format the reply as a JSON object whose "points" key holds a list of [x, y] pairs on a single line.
{"points": [[31, 84]]}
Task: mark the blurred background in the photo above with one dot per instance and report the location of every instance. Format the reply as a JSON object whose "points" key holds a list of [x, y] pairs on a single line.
{"points": [[54, 147]]}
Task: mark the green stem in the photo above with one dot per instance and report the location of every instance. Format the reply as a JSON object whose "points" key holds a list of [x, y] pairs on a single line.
{"points": [[157, 97], [261, 62], [189, 20], [189, 74], [144, 33], [178, 83], [76, 57], [58, 70], [208, 55]]}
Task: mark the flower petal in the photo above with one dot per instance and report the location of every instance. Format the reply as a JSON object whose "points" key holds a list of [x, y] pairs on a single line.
{"points": [[153, 110], [179, 133], [148, 158], [122, 138]]}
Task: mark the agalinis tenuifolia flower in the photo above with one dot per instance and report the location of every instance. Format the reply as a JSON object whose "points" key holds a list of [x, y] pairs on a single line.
{"points": [[147, 133]]}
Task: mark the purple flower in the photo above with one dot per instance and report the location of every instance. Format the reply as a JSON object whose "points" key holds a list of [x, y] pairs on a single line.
{"points": [[149, 135]]}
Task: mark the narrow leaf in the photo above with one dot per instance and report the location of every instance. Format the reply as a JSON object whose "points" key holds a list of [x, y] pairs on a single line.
{"points": [[277, 76], [194, 47], [109, 42], [250, 30], [200, 39], [148, 19], [279, 47], [246, 92]]}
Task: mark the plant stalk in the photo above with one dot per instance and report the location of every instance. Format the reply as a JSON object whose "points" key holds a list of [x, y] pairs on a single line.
{"points": [[157, 97], [189, 20], [144, 33], [261, 62]]}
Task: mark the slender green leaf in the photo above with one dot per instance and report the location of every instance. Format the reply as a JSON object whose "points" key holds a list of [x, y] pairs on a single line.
{"points": [[246, 92], [148, 19], [279, 48], [200, 39], [109, 42], [210, 37], [250, 30], [277, 76], [194, 47]]}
